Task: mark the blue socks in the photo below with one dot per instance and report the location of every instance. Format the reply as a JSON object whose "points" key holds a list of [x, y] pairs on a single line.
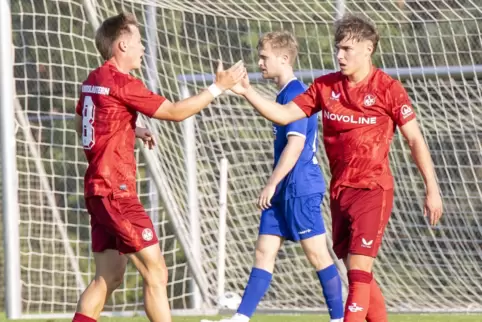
{"points": [[257, 286], [331, 283], [260, 279]]}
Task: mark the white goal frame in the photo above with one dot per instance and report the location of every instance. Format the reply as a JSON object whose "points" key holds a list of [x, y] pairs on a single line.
{"points": [[10, 114]]}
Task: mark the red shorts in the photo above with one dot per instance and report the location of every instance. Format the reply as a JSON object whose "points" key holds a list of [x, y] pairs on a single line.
{"points": [[121, 224], [359, 218]]}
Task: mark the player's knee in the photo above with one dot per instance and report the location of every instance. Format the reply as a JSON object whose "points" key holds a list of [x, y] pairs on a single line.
{"points": [[156, 275], [319, 258], [265, 257], [112, 279], [360, 262], [116, 281], [316, 251]]}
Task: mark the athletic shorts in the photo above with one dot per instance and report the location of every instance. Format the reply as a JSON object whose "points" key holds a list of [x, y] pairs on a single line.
{"points": [[294, 219], [359, 218], [119, 223]]}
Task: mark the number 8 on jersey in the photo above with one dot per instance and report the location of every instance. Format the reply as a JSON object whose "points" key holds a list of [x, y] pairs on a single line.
{"points": [[88, 139]]}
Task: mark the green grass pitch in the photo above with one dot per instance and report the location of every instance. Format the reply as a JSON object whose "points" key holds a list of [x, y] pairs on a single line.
{"points": [[297, 318]]}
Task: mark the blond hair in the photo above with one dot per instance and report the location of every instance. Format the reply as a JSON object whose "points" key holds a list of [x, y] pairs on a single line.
{"points": [[283, 40]]}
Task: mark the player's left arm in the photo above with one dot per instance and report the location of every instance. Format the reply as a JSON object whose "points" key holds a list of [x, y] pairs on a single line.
{"points": [[287, 161], [78, 119], [421, 155], [145, 135], [404, 117], [78, 124]]}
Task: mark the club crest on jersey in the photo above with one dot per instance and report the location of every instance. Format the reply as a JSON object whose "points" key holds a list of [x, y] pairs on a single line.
{"points": [[355, 308], [147, 234], [369, 100]]}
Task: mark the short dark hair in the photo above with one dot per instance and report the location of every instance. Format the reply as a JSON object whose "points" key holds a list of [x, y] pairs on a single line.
{"points": [[110, 30], [357, 28]]}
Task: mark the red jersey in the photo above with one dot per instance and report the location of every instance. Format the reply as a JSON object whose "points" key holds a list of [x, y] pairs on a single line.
{"points": [[108, 104], [358, 126]]}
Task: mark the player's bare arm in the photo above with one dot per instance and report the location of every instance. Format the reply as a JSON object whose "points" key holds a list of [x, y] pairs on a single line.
{"points": [[179, 111], [287, 161], [277, 113], [78, 124], [423, 160]]}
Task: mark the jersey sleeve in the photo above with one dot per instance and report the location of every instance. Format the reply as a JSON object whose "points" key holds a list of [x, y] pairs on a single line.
{"points": [[308, 101], [292, 91], [298, 128], [400, 107], [136, 96]]}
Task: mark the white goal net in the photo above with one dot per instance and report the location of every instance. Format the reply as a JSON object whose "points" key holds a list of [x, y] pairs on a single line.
{"points": [[433, 46]]}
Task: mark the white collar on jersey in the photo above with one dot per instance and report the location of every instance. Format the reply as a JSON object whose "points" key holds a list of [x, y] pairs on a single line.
{"points": [[289, 81]]}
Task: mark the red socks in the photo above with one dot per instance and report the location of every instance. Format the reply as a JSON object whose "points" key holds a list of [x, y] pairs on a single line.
{"points": [[365, 299], [79, 317], [358, 300], [377, 311]]}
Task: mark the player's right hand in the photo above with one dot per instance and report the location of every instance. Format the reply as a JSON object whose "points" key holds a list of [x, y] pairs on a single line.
{"points": [[226, 79], [433, 207], [241, 87], [264, 200]]}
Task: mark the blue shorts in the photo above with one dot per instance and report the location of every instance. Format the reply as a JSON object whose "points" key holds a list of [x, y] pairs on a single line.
{"points": [[294, 219]]}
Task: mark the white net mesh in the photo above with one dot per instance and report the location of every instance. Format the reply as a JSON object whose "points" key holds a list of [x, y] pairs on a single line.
{"points": [[54, 53], [419, 269]]}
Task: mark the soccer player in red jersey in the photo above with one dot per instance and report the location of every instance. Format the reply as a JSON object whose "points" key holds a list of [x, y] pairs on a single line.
{"points": [[361, 107], [106, 117]]}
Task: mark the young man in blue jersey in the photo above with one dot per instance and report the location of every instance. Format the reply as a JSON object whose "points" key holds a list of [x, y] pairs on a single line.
{"points": [[291, 200]]}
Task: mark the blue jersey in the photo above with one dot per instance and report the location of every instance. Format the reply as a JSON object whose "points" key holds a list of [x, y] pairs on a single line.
{"points": [[305, 178]]}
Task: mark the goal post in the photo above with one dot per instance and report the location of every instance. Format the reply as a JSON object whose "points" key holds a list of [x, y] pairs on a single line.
{"points": [[13, 286]]}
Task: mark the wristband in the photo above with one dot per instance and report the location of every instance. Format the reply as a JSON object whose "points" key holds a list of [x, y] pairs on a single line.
{"points": [[214, 90]]}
